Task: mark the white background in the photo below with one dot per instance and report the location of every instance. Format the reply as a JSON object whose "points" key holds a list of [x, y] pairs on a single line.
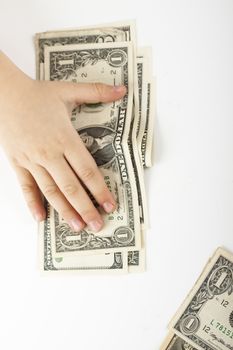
{"points": [[190, 187]]}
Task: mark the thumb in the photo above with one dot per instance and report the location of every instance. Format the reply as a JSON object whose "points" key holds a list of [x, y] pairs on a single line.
{"points": [[78, 93]]}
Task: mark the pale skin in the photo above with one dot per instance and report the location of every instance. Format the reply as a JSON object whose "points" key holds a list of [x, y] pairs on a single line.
{"points": [[46, 152]]}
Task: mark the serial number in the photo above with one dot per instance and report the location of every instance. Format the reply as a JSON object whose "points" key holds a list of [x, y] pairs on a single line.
{"points": [[108, 183], [223, 329]]}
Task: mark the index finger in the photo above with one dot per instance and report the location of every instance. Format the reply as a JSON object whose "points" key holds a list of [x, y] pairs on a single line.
{"points": [[90, 92]]}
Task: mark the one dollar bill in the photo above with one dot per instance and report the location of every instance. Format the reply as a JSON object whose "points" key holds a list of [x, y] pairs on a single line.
{"points": [[103, 35], [205, 320], [106, 137]]}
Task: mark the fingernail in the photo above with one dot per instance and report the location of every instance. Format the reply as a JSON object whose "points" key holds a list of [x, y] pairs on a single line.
{"points": [[38, 216], [76, 225], [120, 88], [108, 207], [95, 225]]}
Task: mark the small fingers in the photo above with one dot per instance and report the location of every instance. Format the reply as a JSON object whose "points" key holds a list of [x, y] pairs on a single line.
{"points": [[63, 189], [31, 193], [53, 194]]}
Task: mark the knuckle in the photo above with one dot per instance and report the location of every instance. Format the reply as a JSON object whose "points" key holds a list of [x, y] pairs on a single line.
{"points": [[99, 89], [14, 161], [70, 189], [66, 213], [87, 173], [20, 160], [32, 203], [27, 188], [50, 190], [89, 214], [44, 156]]}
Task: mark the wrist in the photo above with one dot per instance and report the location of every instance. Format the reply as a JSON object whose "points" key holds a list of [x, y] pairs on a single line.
{"points": [[13, 82]]}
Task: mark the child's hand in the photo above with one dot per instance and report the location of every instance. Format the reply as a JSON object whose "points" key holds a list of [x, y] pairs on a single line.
{"points": [[44, 148]]}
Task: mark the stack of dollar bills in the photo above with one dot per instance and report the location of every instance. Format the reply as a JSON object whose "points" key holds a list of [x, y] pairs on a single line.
{"points": [[205, 319], [106, 54]]}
